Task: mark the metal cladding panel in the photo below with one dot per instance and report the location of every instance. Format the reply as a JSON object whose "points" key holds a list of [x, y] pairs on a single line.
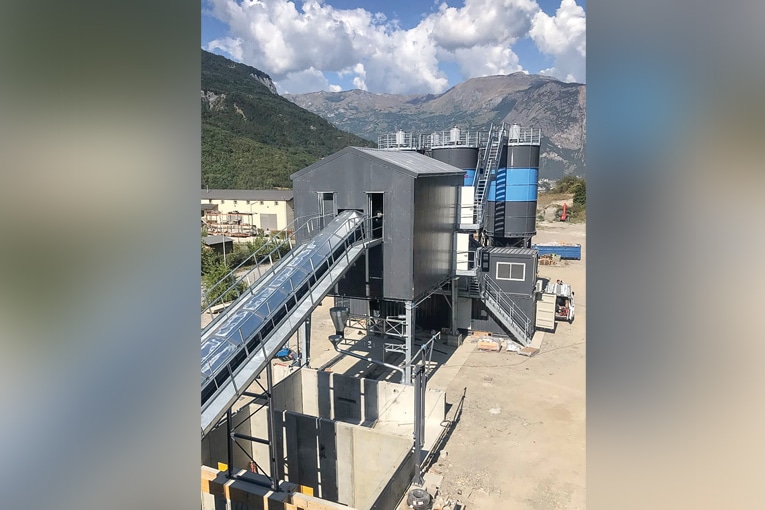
{"points": [[461, 157], [489, 223], [514, 184], [522, 156], [521, 184], [411, 162], [482, 320], [434, 218], [527, 257], [351, 174], [520, 219]]}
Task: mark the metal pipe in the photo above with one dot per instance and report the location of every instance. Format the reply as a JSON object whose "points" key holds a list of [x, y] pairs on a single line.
{"points": [[250, 438]]}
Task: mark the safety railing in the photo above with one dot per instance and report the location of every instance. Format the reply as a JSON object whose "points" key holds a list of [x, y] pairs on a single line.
{"points": [[236, 337], [518, 319], [275, 248], [524, 136], [398, 140], [454, 137]]}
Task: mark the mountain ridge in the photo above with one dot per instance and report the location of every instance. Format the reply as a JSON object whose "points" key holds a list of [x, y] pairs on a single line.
{"points": [[556, 107], [251, 136]]}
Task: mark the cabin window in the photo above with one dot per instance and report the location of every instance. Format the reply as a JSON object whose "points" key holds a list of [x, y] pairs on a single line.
{"points": [[511, 271]]}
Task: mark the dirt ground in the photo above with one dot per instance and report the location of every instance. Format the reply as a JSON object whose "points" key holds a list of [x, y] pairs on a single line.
{"points": [[519, 441]]}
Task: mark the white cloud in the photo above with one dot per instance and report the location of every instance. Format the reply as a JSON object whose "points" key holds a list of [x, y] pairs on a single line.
{"points": [[482, 22], [359, 81], [295, 83], [299, 43], [231, 46], [563, 37], [487, 61]]}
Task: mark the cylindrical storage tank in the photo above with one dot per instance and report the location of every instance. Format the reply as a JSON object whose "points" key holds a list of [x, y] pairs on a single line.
{"points": [[461, 157], [521, 181], [400, 137]]}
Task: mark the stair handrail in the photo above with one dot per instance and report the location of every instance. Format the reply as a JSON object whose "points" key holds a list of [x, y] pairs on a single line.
{"points": [[492, 290], [492, 164]]}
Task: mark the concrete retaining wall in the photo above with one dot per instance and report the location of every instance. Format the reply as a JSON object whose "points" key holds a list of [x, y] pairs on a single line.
{"points": [[378, 404]]}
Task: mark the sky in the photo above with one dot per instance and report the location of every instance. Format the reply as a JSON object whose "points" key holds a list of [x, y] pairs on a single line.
{"points": [[397, 46]]}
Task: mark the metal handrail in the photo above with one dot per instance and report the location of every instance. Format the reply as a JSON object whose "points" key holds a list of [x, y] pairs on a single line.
{"points": [[347, 241], [286, 236], [524, 135], [519, 319]]}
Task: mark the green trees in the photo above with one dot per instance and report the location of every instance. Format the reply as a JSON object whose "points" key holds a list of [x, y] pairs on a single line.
{"points": [[571, 184], [253, 138], [580, 193], [217, 282], [215, 270]]}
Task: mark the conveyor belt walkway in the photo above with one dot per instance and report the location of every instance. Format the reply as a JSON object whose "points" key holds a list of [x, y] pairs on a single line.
{"points": [[239, 343]]}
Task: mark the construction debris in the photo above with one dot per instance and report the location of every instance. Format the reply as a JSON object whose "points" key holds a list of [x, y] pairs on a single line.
{"points": [[489, 344]]}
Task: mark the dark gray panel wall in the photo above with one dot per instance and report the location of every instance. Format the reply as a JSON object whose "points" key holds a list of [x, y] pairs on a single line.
{"points": [[434, 224], [461, 157], [482, 319], [351, 175], [522, 156], [525, 287], [520, 219], [411, 263]]}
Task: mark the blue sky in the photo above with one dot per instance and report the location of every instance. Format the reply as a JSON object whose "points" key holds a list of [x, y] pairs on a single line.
{"points": [[397, 46]]}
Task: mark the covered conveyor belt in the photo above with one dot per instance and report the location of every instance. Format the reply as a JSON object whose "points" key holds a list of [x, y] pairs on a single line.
{"points": [[237, 346]]}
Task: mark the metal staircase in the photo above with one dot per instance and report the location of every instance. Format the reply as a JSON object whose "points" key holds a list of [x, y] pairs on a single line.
{"points": [[487, 167], [238, 345], [505, 311]]}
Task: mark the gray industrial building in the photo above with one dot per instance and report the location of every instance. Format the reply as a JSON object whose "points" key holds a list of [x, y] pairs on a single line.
{"points": [[412, 200], [417, 192], [428, 232]]}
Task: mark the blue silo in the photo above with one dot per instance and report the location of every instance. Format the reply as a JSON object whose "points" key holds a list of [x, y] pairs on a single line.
{"points": [[512, 191]]}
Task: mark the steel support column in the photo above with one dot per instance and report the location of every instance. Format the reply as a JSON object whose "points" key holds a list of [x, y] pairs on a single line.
{"points": [[304, 334], [420, 384], [454, 289], [410, 309], [272, 431], [230, 449]]}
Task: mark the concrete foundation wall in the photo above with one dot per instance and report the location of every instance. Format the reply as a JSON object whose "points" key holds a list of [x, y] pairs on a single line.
{"points": [[320, 444], [376, 459], [376, 404], [339, 461]]}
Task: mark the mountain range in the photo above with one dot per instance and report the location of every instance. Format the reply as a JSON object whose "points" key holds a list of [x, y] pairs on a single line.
{"points": [[253, 138], [556, 107]]}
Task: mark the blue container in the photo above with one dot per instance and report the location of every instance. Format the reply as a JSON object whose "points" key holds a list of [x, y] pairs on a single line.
{"points": [[565, 251]]}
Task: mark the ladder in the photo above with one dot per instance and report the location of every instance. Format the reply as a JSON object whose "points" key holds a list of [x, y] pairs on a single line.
{"points": [[487, 166]]}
